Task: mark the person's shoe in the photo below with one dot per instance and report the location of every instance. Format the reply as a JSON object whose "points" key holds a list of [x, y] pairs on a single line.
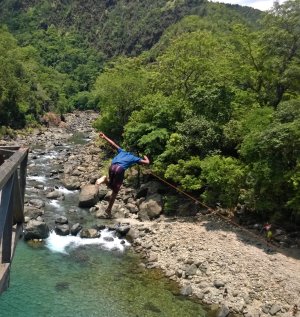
{"points": [[101, 180]]}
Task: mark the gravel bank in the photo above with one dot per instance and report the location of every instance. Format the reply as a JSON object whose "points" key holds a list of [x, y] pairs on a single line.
{"points": [[222, 264]]}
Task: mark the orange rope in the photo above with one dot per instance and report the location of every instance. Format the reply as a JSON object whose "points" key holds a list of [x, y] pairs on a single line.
{"points": [[216, 212], [181, 191]]}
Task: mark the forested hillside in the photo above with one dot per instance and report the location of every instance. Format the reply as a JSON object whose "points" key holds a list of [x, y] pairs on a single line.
{"points": [[114, 26], [209, 91], [69, 42]]}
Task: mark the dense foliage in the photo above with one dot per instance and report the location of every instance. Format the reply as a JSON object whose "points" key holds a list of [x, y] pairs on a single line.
{"points": [[71, 40], [49, 73], [210, 92], [115, 26]]}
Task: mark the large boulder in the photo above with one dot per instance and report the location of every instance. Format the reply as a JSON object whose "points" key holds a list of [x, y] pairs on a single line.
{"points": [[151, 208], [88, 196], [36, 230]]}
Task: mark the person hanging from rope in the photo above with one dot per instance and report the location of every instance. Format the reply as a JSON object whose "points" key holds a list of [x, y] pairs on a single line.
{"points": [[122, 161]]}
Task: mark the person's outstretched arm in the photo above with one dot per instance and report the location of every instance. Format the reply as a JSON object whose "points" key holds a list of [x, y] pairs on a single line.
{"points": [[145, 160], [103, 136]]}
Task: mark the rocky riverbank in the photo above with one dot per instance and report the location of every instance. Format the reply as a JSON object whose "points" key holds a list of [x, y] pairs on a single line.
{"points": [[222, 265], [219, 263]]}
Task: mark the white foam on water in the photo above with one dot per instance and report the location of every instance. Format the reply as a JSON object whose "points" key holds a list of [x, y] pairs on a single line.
{"points": [[36, 164], [48, 157], [54, 203], [66, 191], [59, 244], [41, 179]]}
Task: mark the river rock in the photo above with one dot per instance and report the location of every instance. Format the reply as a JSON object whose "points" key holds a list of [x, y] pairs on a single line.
{"points": [[101, 211], [153, 188], [153, 257], [191, 270], [54, 194], [218, 283], [62, 220], [75, 229], [122, 230], [36, 230], [102, 192], [186, 290], [274, 309], [76, 173], [39, 186], [38, 203], [132, 208], [142, 192], [32, 212], [132, 234], [88, 196], [62, 230], [108, 239], [151, 208], [71, 182], [89, 233], [223, 312]]}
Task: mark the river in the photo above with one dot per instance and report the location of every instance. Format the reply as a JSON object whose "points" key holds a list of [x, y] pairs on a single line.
{"points": [[69, 276]]}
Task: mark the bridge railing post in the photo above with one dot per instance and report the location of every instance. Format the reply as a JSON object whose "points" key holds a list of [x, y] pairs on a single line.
{"points": [[23, 168], [12, 190], [6, 220]]}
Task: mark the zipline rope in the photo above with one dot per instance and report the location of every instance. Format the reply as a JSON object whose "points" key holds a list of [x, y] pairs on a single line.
{"points": [[179, 190], [216, 212]]}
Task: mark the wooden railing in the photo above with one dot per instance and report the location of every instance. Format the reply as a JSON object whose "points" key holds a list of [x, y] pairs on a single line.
{"points": [[13, 165]]}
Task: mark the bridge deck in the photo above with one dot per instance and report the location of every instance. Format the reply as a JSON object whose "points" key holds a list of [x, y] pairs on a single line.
{"points": [[5, 267]]}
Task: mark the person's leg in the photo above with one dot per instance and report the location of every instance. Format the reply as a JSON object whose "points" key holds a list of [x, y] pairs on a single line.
{"points": [[102, 180], [111, 203], [116, 177]]}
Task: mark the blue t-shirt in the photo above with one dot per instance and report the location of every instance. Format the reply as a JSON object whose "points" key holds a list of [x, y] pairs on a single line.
{"points": [[125, 159]]}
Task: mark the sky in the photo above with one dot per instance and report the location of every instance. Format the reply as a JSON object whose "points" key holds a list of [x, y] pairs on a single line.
{"points": [[262, 5]]}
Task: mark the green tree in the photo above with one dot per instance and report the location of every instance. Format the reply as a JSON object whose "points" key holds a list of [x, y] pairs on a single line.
{"points": [[19, 92], [191, 60], [268, 61], [149, 128], [199, 136], [118, 90], [281, 42], [272, 155], [224, 177]]}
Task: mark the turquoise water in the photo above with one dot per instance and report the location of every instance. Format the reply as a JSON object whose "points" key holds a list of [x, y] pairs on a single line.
{"points": [[89, 281]]}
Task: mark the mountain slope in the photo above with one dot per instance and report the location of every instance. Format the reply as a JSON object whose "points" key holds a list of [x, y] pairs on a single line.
{"points": [[115, 26]]}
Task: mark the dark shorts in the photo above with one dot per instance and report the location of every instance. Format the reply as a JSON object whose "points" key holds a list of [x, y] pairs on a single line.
{"points": [[116, 177]]}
